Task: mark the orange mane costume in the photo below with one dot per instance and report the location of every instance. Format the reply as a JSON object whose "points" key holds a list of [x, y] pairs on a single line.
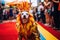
{"points": [[24, 7], [31, 26], [21, 5]]}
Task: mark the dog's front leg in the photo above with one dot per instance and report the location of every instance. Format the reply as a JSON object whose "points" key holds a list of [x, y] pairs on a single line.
{"points": [[23, 36], [35, 32], [20, 37]]}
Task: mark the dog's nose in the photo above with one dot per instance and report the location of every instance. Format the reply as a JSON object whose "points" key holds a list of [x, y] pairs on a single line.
{"points": [[24, 16]]}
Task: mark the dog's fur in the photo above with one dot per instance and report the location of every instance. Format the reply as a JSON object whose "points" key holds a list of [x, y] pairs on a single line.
{"points": [[27, 29]]}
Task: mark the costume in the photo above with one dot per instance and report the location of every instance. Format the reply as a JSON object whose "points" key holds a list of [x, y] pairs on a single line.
{"points": [[29, 30]]}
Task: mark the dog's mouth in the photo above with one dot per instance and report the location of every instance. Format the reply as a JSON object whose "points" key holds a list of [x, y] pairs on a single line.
{"points": [[24, 20]]}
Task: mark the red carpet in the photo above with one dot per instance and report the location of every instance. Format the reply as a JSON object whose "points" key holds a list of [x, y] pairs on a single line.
{"points": [[54, 32], [8, 31]]}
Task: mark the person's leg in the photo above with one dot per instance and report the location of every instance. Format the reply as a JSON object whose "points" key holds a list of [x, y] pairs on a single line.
{"points": [[56, 19], [51, 19], [5, 17], [43, 19], [59, 19], [1, 17], [47, 18], [38, 15]]}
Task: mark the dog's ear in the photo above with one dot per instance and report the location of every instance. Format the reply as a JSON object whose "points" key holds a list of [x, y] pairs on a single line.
{"points": [[18, 22], [18, 18], [31, 18]]}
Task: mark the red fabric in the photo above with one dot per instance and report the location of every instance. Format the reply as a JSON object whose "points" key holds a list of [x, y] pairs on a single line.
{"points": [[50, 29], [8, 31], [59, 6]]}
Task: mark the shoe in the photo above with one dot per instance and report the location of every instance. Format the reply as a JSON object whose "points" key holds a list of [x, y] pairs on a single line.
{"points": [[58, 29], [46, 24], [0, 21], [54, 28]]}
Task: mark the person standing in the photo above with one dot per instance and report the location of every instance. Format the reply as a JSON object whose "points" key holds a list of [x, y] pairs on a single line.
{"points": [[59, 13], [5, 14], [35, 13], [40, 15], [1, 12], [47, 5], [11, 12], [56, 14]]}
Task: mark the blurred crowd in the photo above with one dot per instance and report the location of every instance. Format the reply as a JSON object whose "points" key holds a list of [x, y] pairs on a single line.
{"points": [[47, 12], [8, 12]]}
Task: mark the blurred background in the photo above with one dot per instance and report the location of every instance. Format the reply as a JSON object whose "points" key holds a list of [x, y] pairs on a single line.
{"points": [[45, 12]]}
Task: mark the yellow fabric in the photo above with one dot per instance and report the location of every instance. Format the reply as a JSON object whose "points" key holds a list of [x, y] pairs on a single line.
{"points": [[46, 34]]}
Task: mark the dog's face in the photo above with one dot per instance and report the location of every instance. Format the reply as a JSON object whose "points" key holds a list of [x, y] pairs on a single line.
{"points": [[24, 17]]}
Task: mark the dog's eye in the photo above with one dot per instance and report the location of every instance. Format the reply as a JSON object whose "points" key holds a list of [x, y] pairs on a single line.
{"points": [[22, 13], [27, 14]]}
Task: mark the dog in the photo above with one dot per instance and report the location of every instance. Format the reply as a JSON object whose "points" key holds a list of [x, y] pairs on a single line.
{"points": [[27, 27]]}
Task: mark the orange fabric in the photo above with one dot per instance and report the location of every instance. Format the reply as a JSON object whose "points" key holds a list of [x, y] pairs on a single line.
{"points": [[47, 16], [25, 6], [22, 5], [26, 30], [31, 20]]}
